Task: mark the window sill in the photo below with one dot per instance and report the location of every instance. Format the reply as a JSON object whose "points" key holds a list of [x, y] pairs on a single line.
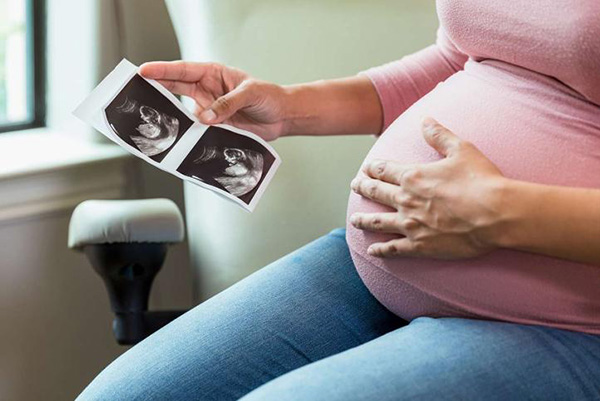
{"points": [[44, 172], [40, 150]]}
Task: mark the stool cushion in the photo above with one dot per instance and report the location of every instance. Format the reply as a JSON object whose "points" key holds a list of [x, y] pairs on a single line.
{"points": [[119, 221]]}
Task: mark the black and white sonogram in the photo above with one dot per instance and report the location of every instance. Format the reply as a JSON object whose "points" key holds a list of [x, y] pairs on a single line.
{"points": [[229, 161], [145, 119]]}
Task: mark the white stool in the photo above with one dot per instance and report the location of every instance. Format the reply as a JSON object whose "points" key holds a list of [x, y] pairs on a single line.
{"points": [[126, 242]]}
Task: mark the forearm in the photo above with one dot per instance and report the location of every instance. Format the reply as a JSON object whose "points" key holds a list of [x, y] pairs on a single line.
{"points": [[353, 105], [347, 106], [551, 220]]}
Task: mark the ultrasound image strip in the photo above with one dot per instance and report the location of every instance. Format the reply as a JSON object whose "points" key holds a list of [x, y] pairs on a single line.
{"points": [[145, 119], [229, 162], [150, 122]]}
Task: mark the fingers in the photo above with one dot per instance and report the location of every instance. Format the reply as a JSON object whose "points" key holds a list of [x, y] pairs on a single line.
{"points": [[178, 87], [378, 222], [440, 138], [226, 106], [394, 248], [175, 70], [391, 223], [379, 191], [387, 171]]}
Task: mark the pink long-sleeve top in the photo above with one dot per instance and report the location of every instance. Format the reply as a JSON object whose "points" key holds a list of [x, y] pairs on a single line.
{"points": [[520, 80]]}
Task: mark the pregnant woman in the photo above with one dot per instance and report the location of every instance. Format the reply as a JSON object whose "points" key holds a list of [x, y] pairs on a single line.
{"points": [[471, 265]]}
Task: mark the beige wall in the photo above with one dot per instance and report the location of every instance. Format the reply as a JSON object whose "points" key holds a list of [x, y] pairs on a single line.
{"points": [[56, 333], [55, 330]]}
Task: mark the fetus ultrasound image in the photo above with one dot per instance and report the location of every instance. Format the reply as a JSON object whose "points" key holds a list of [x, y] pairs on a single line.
{"points": [[144, 118], [228, 161]]}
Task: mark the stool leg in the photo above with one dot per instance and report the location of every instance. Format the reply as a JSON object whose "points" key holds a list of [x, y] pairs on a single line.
{"points": [[128, 271]]}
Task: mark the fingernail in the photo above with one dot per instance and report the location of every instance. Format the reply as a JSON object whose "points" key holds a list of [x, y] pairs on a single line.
{"points": [[371, 250], [353, 219], [354, 184], [376, 167], [428, 123], [208, 116]]}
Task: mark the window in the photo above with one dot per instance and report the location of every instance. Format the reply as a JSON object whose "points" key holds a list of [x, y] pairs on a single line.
{"points": [[22, 102]]}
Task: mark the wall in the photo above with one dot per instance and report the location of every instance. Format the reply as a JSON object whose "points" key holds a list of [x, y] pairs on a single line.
{"points": [[55, 334], [56, 328]]}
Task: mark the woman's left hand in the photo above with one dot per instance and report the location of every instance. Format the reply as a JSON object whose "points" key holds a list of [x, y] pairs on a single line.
{"points": [[447, 209]]}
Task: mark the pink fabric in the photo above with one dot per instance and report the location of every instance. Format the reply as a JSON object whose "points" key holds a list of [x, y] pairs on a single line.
{"points": [[521, 80], [401, 83]]}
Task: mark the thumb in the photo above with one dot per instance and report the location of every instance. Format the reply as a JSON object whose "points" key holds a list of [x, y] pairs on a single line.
{"points": [[439, 137], [225, 106]]}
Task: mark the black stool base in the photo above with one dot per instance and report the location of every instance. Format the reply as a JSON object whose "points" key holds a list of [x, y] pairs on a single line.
{"points": [[128, 270]]}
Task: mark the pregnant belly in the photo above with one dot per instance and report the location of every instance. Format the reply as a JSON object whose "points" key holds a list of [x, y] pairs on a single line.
{"points": [[534, 129]]}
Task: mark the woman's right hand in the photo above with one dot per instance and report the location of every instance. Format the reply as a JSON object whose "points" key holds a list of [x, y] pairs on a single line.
{"points": [[224, 95]]}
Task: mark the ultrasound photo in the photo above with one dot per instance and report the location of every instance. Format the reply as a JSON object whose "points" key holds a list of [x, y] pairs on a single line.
{"points": [[145, 119], [228, 161]]}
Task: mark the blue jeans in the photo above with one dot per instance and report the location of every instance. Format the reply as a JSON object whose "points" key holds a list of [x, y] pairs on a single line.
{"points": [[305, 328]]}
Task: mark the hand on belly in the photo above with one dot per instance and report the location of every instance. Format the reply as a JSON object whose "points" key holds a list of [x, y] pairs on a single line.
{"points": [[447, 209]]}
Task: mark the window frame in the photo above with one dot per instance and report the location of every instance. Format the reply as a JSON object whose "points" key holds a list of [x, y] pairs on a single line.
{"points": [[35, 14]]}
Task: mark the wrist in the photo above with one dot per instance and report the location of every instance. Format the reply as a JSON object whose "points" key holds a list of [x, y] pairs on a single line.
{"points": [[514, 206], [296, 117], [346, 106]]}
